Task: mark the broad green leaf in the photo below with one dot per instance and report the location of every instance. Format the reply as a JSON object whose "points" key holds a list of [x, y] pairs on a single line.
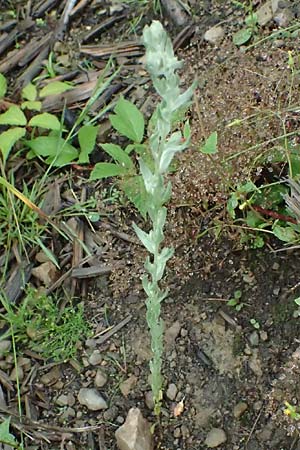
{"points": [[106, 170], [32, 106], [3, 85], [232, 302], [128, 120], [297, 301], [58, 151], [87, 138], [247, 187], [119, 155], [54, 88], [45, 120], [13, 116], [8, 139], [5, 436], [211, 144], [29, 92], [285, 234], [135, 191], [242, 36], [232, 204]]}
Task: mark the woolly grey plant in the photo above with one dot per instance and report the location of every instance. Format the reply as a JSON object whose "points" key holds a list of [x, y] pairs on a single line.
{"points": [[164, 143]]}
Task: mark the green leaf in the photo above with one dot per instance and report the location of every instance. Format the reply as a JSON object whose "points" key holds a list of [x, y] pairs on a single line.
{"points": [[128, 120], [285, 234], [13, 116], [119, 155], [87, 138], [232, 302], [8, 139], [242, 36], [297, 301], [45, 120], [29, 92], [3, 85], [54, 88], [5, 436], [211, 144], [135, 191], [106, 170], [232, 204], [32, 106], [58, 151]]}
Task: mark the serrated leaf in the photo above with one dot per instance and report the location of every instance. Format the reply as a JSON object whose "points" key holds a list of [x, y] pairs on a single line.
{"points": [[128, 120], [87, 139], [211, 144], [13, 116], [54, 88], [285, 234], [29, 92], [58, 151], [32, 106], [5, 436], [119, 155], [242, 36], [107, 170], [45, 120], [8, 139], [3, 85]]}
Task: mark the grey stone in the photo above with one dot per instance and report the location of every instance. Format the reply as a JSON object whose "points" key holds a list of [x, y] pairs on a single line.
{"points": [[215, 437], [135, 433], [95, 358], [265, 13], [214, 35], [254, 339], [100, 378], [92, 399], [172, 391], [5, 346]]}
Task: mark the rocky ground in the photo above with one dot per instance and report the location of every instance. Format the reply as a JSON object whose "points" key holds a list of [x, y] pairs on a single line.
{"points": [[228, 372]]}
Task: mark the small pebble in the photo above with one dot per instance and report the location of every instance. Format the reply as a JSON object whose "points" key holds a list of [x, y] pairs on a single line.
{"points": [[149, 400], [239, 409], [215, 437], [254, 339], [172, 391], [91, 399], [17, 372], [62, 400], [95, 358], [100, 378], [177, 433]]}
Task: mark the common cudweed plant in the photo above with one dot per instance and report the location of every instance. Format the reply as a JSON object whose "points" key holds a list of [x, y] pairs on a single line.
{"points": [[162, 65]]}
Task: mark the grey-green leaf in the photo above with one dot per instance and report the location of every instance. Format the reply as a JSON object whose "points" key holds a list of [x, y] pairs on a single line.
{"points": [[128, 120], [242, 36]]}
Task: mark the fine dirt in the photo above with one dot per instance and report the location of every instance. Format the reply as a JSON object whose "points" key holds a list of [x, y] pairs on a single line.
{"points": [[229, 373]]}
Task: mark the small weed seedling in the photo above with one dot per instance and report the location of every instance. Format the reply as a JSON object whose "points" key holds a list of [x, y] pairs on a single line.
{"points": [[244, 35], [235, 301], [292, 411], [255, 324]]}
